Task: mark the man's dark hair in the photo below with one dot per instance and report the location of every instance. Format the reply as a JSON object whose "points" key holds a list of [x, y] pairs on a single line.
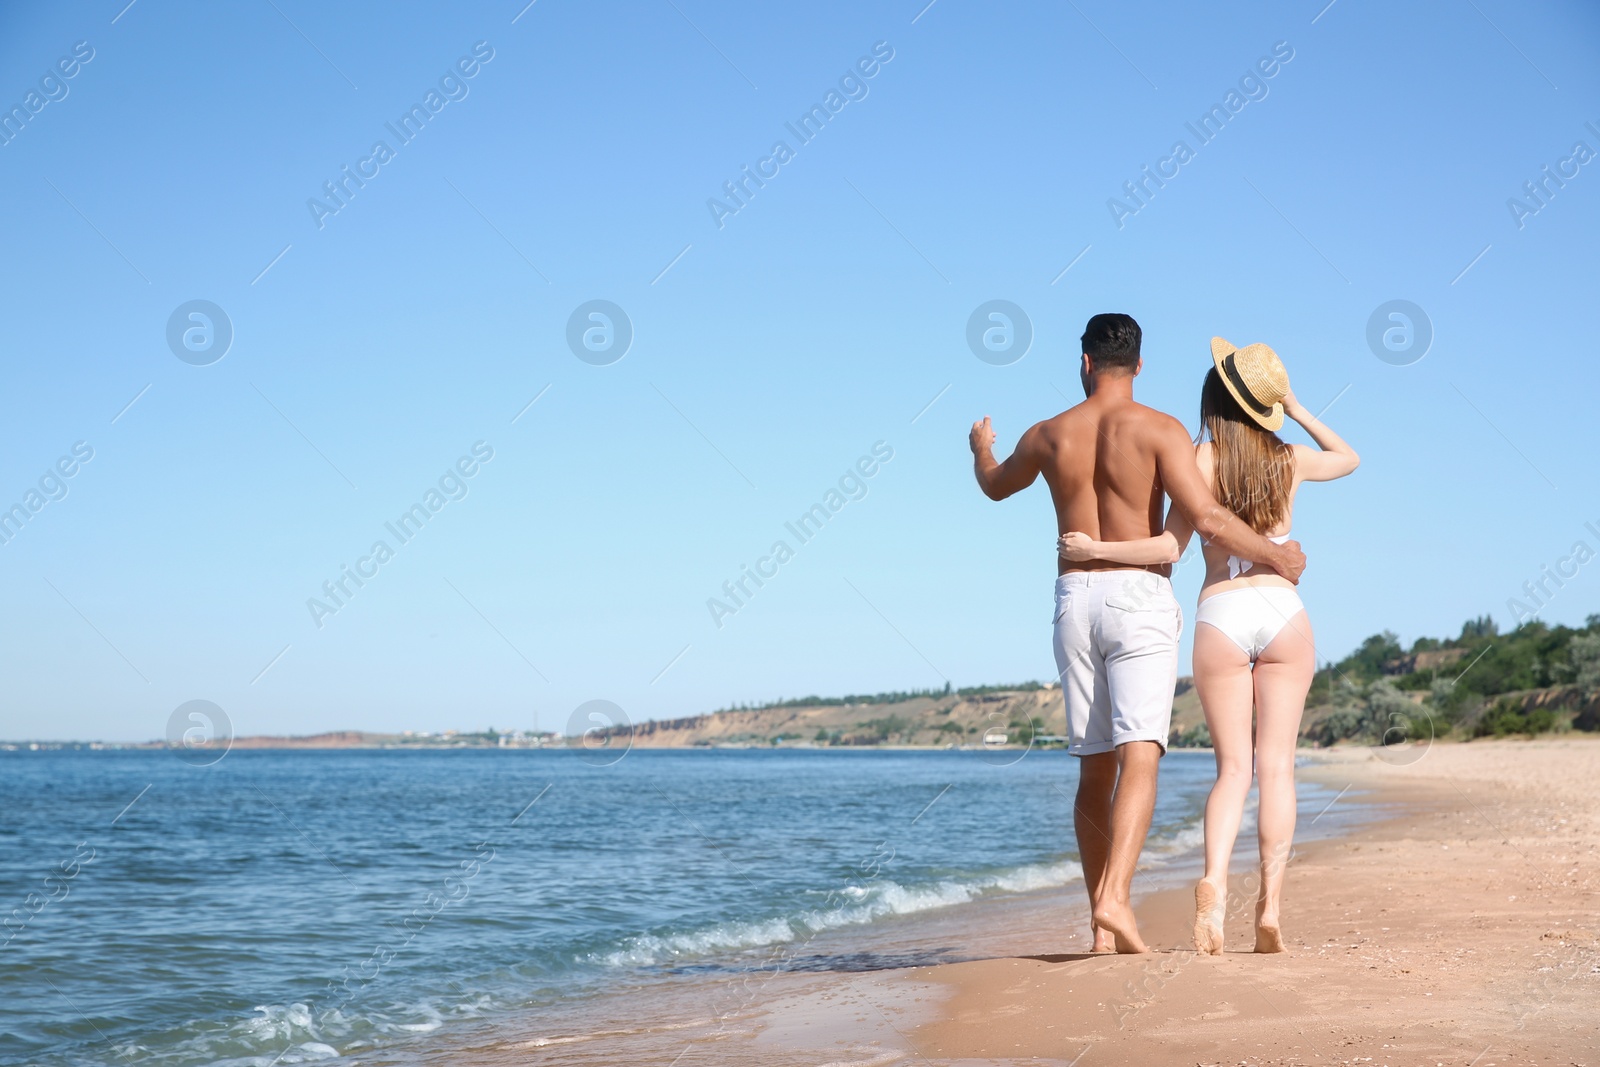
{"points": [[1111, 341]]}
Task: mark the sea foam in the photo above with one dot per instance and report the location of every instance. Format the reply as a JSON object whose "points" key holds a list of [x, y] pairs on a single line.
{"points": [[857, 905]]}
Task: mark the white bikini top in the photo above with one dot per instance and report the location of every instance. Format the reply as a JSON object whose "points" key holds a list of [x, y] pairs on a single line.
{"points": [[1237, 566]]}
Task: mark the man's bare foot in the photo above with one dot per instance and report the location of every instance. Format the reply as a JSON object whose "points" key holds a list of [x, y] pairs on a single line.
{"points": [[1118, 918], [1208, 912]]}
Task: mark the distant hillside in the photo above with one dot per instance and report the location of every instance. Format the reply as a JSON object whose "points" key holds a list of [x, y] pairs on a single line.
{"points": [[926, 719], [922, 719]]}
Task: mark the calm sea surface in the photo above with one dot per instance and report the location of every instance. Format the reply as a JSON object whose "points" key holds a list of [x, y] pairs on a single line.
{"points": [[298, 907]]}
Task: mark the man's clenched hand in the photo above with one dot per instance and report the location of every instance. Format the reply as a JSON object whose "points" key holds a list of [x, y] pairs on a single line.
{"points": [[1291, 562], [982, 436]]}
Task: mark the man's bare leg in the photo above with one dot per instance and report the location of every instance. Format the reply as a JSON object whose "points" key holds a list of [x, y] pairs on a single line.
{"points": [[1132, 805], [1091, 820]]}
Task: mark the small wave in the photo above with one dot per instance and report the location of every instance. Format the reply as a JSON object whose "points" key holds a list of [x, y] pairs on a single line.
{"points": [[1183, 840], [431, 1021], [298, 1033], [646, 949], [882, 1059], [862, 904]]}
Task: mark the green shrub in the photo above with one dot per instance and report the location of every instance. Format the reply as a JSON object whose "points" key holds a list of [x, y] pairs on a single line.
{"points": [[1341, 724], [1508, 717], [1393, 717], [882, 729]]}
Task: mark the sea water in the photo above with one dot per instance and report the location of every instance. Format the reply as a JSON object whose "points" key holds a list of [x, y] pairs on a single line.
{"points": [[311, 906]]}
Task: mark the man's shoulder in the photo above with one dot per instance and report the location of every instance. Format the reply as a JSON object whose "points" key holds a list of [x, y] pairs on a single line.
{"points": [[1127, 416], [1146, 421], [1059, 424]]}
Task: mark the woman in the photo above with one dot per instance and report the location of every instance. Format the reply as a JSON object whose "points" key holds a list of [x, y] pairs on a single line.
{"points": [[1252, 641]]}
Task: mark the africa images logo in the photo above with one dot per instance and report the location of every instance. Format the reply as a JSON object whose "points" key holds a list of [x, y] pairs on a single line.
{"points": [[1252, 87], [852, 87]]}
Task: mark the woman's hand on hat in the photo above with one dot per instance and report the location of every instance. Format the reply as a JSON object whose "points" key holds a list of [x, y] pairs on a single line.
{"points": [[1292, 406]]}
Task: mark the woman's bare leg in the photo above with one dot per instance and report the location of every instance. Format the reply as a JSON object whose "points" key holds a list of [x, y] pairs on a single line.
{"points": [[1282, 677], [1222, 679]]}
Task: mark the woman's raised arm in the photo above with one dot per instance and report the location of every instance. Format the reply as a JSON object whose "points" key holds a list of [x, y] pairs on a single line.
{"points": [[1336, 459]]}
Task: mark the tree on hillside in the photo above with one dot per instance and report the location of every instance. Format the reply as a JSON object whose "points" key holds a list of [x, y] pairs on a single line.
{"points": [[1367, 662], [1447, 701], [1584, 655]]}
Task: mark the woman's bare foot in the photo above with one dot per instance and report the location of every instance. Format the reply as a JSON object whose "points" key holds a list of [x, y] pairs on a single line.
{"points": [[1119, 920], [1269, 937], [1208, 911], [1103, 941]]}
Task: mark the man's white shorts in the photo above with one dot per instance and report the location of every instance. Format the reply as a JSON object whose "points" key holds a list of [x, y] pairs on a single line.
{"points": [[1116, 643]]}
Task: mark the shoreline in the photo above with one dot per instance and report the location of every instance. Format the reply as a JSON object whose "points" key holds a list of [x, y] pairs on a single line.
{"points": [[1411, 942], [774, 1006]]}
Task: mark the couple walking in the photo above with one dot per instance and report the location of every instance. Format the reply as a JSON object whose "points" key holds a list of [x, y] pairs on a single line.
{"points": [[1109, 462]]}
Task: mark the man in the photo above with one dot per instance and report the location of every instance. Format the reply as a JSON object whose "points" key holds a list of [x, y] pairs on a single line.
{"points": [[1109, 462]]}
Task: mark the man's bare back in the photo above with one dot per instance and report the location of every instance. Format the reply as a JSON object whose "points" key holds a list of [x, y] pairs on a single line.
{"points": [[1098, 461]]}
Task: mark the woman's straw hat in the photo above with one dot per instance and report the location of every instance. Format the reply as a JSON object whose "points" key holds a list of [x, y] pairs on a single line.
{"points": [[1257, 379]]}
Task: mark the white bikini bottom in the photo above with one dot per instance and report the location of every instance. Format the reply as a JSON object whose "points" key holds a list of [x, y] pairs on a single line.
{"points": [[1250, 617]]}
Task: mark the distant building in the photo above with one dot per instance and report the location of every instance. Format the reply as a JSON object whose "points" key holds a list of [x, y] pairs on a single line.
{"points": [[1430, 660]]}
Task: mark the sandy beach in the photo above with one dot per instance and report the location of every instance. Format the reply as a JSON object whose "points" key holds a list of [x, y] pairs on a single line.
{"points": [[1456, 927], [1461, 931]]}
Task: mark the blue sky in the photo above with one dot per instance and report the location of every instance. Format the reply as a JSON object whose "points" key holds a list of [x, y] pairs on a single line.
{"points": [[374, 347]]}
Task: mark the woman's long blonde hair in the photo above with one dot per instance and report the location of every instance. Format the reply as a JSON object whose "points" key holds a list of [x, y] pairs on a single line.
{"points": [[1252, 468]]}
